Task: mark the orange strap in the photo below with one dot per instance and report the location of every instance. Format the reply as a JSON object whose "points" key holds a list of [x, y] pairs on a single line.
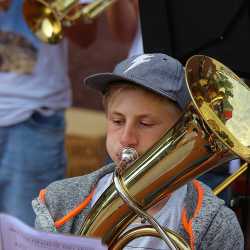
{"points": [[42, 195], [72, 213], [188, 224], [188, 227], [75, 211]]}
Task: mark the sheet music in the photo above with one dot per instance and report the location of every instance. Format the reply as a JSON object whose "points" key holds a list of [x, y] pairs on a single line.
{"points": [[15, 235]]}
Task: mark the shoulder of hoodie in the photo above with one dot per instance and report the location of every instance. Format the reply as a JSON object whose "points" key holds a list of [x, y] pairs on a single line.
{"points": [[214, 219], [63, 195]]}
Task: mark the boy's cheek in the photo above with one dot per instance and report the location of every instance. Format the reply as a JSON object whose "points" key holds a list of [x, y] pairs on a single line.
{"points": [[112, 147]]}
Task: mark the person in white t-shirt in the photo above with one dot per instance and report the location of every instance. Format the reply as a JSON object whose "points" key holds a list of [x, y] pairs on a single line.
{"points": [[34, 91]]}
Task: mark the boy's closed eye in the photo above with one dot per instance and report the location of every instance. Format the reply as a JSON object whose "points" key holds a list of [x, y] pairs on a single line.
{"points": [[118, 122], [147, 123], [116, 119]]}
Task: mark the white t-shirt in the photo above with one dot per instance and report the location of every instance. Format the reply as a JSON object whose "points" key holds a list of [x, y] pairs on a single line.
{"points": [[168, 216], [33, 75], [137, 44], [85, 1]]}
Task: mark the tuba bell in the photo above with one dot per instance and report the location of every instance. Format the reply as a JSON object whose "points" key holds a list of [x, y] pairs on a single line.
{"points": [[47, 19], [213, 130]]}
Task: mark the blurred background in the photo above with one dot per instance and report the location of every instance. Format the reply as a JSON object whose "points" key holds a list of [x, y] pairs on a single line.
{"points": [[85, 142]]}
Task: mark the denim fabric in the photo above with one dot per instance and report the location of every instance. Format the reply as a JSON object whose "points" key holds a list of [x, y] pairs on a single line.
{"points": [[32, 155]]}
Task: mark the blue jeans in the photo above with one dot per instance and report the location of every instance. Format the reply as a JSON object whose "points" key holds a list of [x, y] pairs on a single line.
{"points": [[32, 155]]}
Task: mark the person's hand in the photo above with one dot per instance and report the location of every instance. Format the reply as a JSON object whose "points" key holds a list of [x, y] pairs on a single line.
{"points": [[4, 5]]}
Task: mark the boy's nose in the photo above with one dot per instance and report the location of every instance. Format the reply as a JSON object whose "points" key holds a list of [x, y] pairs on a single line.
{"points": [[129, 137]]}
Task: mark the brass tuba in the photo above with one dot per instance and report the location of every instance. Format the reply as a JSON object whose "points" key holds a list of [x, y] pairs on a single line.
{"points": [[48, 18], [213, 130]]}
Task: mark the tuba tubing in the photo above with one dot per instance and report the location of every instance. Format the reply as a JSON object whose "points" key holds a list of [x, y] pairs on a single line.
{"points": [[171, 163]]}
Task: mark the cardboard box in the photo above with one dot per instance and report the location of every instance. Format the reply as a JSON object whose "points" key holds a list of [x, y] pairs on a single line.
{"points": [[85, 141]]}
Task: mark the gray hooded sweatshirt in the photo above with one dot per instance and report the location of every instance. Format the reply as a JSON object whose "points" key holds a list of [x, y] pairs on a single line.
{"points": [[206, 224]]}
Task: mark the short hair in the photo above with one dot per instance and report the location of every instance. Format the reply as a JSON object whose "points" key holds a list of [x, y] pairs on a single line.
{"points": [[118, 87]]}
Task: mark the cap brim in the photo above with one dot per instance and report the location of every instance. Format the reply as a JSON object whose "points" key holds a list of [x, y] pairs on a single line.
{"points": [[100, 81]]}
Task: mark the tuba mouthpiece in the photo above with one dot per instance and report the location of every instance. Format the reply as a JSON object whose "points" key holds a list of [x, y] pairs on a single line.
{"points": [[128, 156]]}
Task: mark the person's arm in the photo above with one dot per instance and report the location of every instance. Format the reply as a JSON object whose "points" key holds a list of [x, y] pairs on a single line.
{"points": [[122, 17], [82, 33]]}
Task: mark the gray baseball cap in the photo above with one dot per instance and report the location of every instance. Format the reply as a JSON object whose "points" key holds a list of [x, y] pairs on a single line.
{"points": [[157, 72]]}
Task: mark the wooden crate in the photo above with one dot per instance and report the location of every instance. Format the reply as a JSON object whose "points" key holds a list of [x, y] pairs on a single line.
{"points": [[85, 141]]}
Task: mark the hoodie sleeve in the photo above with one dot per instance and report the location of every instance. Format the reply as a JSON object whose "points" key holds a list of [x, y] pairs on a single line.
{"points": [[224, 232], [43, 221], [57, 201]]}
